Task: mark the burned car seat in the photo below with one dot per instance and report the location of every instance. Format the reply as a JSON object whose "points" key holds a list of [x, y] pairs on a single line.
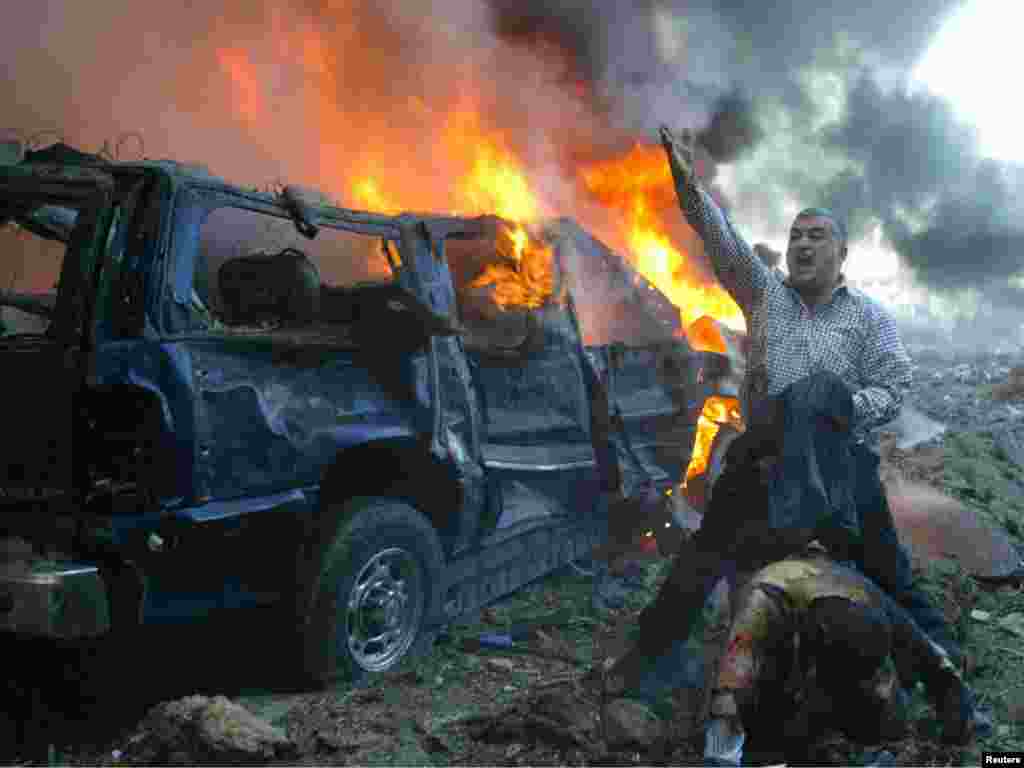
{"points": [[281, 288]]}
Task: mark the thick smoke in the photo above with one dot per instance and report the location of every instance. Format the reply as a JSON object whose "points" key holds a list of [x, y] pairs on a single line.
{"points": [[807, 101], [954, 216], [811, 101]]}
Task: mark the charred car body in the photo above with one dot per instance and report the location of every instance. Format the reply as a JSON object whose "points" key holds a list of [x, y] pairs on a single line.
{"points": [[241, 398]]}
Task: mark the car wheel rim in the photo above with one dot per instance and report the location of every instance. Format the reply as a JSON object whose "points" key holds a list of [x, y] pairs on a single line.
{"points": [[384, 608]]}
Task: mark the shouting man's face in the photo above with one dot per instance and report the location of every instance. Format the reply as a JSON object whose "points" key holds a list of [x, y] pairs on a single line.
{"points": [[815, 257]]}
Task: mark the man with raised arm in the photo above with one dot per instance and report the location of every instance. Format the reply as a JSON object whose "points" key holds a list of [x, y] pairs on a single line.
{"points": [[825, 365]]}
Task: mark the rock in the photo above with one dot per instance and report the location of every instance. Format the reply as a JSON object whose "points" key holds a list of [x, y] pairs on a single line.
{"points": [[564, 709], [935, 526], [630, 723], [981, 616], [506, 666], [551, 643], [199, 729]]}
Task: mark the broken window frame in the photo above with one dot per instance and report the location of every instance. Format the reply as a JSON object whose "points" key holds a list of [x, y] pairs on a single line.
{"points": [[195, 203]]}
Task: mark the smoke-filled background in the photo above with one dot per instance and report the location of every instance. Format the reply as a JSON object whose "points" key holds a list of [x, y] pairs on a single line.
{"points": [[799, 102]]}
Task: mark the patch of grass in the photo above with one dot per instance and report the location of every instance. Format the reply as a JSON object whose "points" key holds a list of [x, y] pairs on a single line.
{"points": [[996, 668], [562, 599], [978, 474]]}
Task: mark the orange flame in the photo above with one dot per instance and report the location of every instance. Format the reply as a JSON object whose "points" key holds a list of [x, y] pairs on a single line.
{"points": [[638, 187], [463, 165], [238, 65], [526, 278], [717, 411], [705, 336]]}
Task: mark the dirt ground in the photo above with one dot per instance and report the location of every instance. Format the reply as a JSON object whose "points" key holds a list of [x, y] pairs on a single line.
{"points": [[467, 704]]}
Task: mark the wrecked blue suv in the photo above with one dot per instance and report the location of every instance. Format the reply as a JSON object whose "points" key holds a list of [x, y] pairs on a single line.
{"points": [[236, 398]]}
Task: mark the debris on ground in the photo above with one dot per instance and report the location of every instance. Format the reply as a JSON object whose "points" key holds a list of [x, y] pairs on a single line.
{"points": [[631, 723], [1012, 388], [526, 702], [201, 730]]}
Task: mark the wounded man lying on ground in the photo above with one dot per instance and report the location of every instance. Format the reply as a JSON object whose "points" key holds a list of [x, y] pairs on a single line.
{"points": [[815, 646]]}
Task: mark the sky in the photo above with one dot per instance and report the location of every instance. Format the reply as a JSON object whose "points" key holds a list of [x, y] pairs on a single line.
{"points": [[966, 63], [969, 63]]}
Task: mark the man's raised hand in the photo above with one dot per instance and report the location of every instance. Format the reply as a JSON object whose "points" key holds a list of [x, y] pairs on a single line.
{"points": [[681, 151]]}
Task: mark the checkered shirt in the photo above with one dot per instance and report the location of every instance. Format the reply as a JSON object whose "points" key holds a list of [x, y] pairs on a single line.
{"points": [[851, 335]]}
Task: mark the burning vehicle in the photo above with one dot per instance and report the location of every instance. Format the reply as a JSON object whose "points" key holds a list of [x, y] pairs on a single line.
{"points": [[375, 423]]}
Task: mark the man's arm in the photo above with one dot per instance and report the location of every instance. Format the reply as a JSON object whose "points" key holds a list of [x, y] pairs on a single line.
{"points": [[917, 657], [742, 274], [885, 373]]}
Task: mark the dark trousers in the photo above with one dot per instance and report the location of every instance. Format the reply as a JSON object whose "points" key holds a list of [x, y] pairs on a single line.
{"points": [[737, 535]]}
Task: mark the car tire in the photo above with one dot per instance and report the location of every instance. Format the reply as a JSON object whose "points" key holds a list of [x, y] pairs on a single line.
{"points": [[376, 593]]}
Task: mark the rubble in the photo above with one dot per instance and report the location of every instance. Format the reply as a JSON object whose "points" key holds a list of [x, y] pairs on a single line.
{"points": [[199, 729], [954, 393], [630, 723]]}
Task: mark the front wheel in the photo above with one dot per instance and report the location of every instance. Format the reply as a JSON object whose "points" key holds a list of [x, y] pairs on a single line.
{"points": [[378, 586]]}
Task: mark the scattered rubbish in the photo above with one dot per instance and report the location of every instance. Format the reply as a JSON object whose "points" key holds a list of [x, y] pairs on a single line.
{"points": [[880, 759], [980, 615], [503, 665], [491, 640]]}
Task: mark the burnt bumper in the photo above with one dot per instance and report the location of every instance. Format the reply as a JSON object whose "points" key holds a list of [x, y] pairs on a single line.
{"points": [[52, 598]]}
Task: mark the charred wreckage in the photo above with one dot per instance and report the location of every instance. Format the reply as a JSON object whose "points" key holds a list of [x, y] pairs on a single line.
{"points": [[237, 398]]}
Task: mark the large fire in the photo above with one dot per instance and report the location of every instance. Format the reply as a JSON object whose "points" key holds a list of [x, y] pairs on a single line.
{"points": [[474, 169]]}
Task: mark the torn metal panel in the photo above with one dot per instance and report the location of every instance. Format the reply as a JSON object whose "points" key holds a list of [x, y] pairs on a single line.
{"points": [[164, 371], [655, 400], [460, 432], [269, 421], [539, 393], [614, 302], [536, 426]]}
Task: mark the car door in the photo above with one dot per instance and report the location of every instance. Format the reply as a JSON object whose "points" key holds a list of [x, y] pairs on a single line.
{"points": [[53, 219], [526, 365], [634, 338]]}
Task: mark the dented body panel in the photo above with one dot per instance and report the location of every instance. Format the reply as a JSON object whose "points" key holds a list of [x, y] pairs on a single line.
{"points": [[208, 456]]}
